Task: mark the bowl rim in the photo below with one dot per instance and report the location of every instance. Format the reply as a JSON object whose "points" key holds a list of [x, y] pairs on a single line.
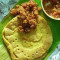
{"points": [[47, 13]]}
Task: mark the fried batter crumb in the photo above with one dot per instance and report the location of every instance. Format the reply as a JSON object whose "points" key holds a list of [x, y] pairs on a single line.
{"points": [[27, 14]]}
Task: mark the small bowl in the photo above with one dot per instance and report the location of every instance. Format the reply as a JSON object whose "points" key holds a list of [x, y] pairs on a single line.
{"points": [[47, 13]]}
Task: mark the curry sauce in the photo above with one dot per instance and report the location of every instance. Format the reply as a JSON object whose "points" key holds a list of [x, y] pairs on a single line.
{"points": [[52, 7]]}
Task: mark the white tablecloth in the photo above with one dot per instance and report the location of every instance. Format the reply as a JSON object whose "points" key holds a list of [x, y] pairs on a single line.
{"points": [[5, 6]]}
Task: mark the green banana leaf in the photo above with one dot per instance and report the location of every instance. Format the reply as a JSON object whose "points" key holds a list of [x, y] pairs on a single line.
{"points": [[4, 55], [54, 25]]}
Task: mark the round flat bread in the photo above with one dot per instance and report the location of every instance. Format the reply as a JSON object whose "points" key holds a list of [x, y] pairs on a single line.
{"points": [[27, 46]]}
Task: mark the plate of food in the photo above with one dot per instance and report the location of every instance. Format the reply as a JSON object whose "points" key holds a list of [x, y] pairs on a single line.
{"points": [[27, 33]]}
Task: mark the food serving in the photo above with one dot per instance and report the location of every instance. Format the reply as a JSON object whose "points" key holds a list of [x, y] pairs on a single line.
{"points": [[27, 36], [52, 8]]}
